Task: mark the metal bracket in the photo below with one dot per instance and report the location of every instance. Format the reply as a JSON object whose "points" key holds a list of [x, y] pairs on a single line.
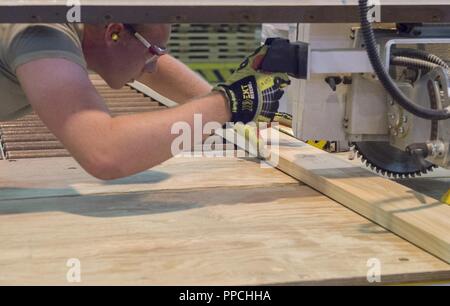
{"points": [[411, 41]]}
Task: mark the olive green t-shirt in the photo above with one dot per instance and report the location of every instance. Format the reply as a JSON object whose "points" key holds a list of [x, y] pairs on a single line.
{"points": [[22, 43]]}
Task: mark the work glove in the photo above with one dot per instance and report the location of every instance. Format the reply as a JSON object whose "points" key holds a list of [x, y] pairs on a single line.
{"points": [[252, 94]]}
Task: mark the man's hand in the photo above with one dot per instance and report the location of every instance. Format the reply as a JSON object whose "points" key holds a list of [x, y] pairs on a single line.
{"points": [[252, 94]]}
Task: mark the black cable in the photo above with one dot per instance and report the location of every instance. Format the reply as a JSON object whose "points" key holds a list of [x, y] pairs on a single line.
{"points": [[384, 77]]}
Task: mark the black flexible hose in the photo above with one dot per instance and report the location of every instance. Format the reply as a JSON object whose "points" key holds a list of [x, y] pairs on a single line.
{"points": [[384, 77], [413, 63], [423, 55]]}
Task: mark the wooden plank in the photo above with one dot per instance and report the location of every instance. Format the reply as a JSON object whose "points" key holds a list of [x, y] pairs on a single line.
{"points": [[417, 218], [41, 145], [226, 11], [433, 184], [14, 155], [24, 179], [216, 236]]}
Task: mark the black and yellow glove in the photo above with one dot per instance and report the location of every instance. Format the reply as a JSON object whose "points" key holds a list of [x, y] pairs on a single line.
{"points": [[252, 94]]}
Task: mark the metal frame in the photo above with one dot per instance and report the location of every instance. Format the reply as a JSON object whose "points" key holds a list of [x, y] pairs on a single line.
{"points": [[339, 61], [227, 11], [411, 41]]}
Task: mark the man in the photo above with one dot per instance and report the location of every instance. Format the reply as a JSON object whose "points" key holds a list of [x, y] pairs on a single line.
{"points": [[44, 66]]}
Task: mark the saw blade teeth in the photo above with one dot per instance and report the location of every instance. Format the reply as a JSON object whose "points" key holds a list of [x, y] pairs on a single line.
{"points": [[387, 171]]}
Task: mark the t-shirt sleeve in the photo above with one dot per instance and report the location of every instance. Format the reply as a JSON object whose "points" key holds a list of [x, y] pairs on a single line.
{"points": [[38, 42]]}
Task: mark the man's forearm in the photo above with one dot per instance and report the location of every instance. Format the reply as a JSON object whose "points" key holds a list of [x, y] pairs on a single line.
{"points": [[141, 141], [175, 80]]}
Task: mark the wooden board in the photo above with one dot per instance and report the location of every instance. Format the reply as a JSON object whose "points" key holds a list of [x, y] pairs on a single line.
{"points": [[419, 219], [433, 184], [53, 177], [226, 11], [191, 222]]}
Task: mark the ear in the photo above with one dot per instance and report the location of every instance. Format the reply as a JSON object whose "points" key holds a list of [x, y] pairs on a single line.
{"points": [[111, 29]]}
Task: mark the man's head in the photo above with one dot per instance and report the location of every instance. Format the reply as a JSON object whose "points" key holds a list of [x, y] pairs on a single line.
{"points": [[117, 55]]}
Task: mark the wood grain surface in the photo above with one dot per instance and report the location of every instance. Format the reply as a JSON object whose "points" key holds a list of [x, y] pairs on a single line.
{"points": [[420, 219], [190, 221]]}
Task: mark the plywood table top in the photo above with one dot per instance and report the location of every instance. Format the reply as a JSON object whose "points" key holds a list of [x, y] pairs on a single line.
{"points": [[190, 221]]}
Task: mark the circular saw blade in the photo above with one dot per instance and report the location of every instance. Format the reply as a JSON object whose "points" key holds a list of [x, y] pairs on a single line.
{"points": [[390, 161]]}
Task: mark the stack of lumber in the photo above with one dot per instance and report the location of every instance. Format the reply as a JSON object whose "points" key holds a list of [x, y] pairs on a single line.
{"points": [[28, 137]]}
